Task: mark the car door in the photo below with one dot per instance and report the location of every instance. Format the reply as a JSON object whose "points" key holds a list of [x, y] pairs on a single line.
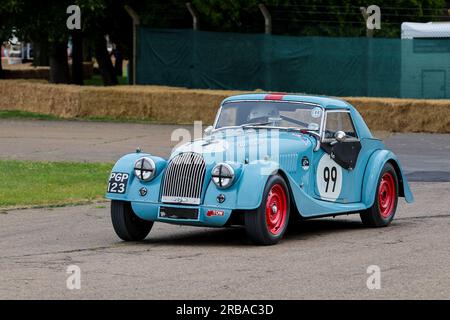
{"points": [[336, 162]]}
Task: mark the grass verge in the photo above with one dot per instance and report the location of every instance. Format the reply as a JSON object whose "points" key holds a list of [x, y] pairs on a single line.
{"points": [[96, 80], [26, 115], [17, 114], [30, 184]]}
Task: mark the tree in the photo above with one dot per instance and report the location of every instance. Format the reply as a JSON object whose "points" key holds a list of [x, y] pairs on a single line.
{"points": [[7, 10], [77, 57], [45, 24], [109, 18], [59, 67]]}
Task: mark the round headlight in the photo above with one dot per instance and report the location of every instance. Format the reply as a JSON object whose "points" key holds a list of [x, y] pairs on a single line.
{"points": [[223, 175], [144, 169]]}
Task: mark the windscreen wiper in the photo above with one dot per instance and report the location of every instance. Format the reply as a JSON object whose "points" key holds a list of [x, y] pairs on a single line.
{"points": [[256, 124]]}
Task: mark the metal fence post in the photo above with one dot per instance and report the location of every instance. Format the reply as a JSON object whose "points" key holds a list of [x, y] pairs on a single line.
{"points": [[194, 14], [266, 50], [267, 19], [369, 32], [136, 22]]}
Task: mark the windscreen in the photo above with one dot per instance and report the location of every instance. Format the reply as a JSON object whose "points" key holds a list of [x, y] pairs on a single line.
{"points": [[270, 113]]}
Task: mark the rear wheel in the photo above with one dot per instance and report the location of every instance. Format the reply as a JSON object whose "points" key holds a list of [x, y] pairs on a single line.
{"points": [[127, 224], [383, 210], [267, 224]]}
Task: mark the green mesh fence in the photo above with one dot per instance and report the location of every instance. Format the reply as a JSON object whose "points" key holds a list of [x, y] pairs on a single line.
{"points": [[316, 65]]}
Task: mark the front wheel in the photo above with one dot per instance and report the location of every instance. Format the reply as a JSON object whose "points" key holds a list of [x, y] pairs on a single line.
{"points": [[383, 210], [267, 224], [127, 224]]}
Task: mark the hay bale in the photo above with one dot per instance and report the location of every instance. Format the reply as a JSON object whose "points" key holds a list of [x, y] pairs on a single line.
{"points": [[59, 100], [183, 106], [166, 105], [404, 115]]}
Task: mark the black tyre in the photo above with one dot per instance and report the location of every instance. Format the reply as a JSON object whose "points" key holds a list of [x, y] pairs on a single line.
{"points": [[383, 210], [267, 224], [127, 225]]}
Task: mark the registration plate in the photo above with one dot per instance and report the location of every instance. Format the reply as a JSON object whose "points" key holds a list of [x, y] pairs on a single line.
{"points": [[178, 213], [118, 182]]}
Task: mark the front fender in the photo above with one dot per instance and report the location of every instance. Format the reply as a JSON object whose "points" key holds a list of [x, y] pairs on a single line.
{"points": [[254, 181], [126, 165], [373, 170], [246, 193]]}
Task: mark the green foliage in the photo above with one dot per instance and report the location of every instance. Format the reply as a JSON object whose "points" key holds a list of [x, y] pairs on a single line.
{"points": [[27, 183], [8, 8], [315, 17], [47, 18], [44, 23], [232, 15], [18, 114]]}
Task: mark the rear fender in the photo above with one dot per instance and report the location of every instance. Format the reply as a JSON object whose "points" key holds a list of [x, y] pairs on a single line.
{"points": [[373, 170]]}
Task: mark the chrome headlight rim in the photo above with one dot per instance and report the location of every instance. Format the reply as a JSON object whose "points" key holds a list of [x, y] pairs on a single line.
{"points": [[218, 179], [142, 172]]}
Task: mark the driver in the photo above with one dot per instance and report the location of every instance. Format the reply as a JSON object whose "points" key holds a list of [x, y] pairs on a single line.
{"points": [[262, 113]]}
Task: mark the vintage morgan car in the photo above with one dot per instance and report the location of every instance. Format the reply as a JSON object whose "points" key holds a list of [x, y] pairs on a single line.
{"points": [[268, 159]]}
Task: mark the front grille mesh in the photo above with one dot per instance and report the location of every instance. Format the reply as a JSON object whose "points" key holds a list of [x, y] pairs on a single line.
{"points": [[183, 179]]}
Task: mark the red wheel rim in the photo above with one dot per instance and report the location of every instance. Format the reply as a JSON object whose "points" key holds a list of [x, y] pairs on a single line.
{"points": [[386, 195], [276, 209]]}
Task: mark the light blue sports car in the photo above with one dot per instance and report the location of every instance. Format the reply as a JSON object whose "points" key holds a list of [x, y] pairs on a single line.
{"points": [[268, 159]]}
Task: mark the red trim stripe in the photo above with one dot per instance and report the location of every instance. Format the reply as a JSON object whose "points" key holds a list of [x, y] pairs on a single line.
{"points": [[274, 96]]}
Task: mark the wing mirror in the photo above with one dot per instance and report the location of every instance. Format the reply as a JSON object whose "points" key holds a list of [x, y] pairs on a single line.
{"points": [[340, 136], [208, 130]]}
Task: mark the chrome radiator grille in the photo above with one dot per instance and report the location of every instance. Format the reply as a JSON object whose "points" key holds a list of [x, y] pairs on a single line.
{"points": [[183, 179]]}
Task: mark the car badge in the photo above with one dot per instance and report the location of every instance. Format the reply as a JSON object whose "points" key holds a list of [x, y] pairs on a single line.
{"points": [[305, 163], [143, 191]]}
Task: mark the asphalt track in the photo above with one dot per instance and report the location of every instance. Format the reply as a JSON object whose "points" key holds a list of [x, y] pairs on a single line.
{"points": [[325, 258]]}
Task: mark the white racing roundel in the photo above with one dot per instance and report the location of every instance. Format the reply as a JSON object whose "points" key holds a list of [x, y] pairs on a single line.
{"points": [[329, 178]]}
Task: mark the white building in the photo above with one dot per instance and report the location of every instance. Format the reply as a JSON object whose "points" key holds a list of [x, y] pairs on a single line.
{"points": [[425, 60]]}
